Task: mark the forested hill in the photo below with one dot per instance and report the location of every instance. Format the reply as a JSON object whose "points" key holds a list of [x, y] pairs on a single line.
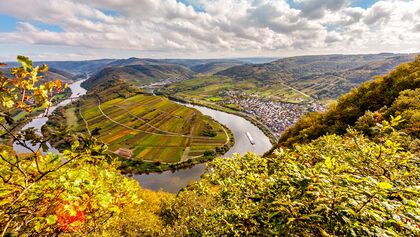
{"points": [[323, 76], [140, 74], [394, 94]]}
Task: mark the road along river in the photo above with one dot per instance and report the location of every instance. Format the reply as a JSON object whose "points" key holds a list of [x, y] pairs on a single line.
{"points": [[173, 181]]}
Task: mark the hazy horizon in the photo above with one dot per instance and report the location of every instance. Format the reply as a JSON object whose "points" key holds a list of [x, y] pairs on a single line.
{"points": [[72, 30]]}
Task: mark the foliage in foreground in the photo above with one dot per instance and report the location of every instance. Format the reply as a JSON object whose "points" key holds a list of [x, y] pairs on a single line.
{"points": [[364, 183], [359, 181], [78, 192], [334, 186]]}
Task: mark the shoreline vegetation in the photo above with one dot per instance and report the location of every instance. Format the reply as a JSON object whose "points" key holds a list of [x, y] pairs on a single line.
{"points": [[137, 166], [131, 166]]}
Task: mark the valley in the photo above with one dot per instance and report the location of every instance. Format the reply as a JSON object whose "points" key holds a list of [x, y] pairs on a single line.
{"points": [[188, 118], [272, 107], [129, 107], [148, 133]]}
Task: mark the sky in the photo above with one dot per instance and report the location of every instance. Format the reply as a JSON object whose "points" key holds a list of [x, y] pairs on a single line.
{"points": [[80, 29]]}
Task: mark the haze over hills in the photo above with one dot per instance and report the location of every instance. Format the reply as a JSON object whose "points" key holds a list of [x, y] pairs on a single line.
{"points": [[145, 71], [321, 76]]}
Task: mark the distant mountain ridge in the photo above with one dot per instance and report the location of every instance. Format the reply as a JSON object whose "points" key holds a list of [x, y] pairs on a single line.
{"points": [[140, 74], [143, 71], [321, 76]]}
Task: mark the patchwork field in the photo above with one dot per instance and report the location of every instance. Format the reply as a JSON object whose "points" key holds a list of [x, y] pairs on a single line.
{"points": [[214, 89], [153, 128]]}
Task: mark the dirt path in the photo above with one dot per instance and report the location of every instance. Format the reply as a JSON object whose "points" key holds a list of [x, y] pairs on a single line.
{"points": [[144, 121], [296, 90], [84, 120]]}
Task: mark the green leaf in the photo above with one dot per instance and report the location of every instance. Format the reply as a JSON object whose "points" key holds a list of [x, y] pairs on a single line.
{"points": [[329, 162], [75, 145], [384, 185], [51, 219], [25, 61]]}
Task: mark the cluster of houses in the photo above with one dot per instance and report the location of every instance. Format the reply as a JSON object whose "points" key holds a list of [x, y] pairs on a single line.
{"points": [[277, 115]]}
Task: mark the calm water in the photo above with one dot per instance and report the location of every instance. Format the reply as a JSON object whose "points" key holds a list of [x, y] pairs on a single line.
{"points": [[38, 122], [174, 181]]}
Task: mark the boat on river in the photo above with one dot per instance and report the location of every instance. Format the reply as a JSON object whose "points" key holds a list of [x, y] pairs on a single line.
{"points": [[251, 140]]}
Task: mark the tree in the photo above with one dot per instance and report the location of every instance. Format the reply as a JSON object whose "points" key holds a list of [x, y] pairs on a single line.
{"points": [[333, 186], [78, 191]]}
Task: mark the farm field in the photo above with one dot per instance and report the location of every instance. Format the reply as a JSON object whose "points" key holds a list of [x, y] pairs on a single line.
{"points": [[215, 88], [153, 128]]}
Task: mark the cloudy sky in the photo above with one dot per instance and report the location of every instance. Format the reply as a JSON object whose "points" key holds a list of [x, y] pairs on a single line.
{"points": [[80, 29]]}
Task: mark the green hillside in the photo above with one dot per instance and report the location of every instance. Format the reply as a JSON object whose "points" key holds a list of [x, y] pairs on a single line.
{"points": [[357, 181], [324, 76]]}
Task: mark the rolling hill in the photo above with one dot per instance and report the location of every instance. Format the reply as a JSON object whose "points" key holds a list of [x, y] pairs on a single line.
{"points": [[140, 74], [322, 76]]}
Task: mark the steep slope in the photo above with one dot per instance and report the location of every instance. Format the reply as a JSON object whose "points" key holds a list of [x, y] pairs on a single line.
{"points": [[333, 84], [52, 74], [56, 74], [324, 76], [361, 182], [370, 103]]}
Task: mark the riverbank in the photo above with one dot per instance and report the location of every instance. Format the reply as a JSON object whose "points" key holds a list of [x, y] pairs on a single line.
{"points": [[174, 180], [132, 163], [172, 177], [254, 121], [134, 166]]}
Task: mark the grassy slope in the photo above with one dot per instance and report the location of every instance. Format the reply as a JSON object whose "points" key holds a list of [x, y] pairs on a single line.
{"points": [[324, 77], [140, 74]]}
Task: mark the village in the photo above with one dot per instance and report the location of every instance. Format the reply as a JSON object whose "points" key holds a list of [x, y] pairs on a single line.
{"points": [[276, 115]]}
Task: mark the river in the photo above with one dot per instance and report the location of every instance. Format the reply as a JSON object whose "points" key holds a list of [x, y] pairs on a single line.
{"points": [[173, 181], [38, 122]]}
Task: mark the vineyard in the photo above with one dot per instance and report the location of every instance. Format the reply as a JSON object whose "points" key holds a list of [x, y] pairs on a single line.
{"points": [[152, 128]]}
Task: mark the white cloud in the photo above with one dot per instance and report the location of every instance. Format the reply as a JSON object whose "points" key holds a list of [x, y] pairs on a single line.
{"points": [[220, 28]]}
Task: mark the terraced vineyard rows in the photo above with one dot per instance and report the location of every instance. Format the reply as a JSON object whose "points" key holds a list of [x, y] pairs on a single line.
{"points": [[153, 128]]}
